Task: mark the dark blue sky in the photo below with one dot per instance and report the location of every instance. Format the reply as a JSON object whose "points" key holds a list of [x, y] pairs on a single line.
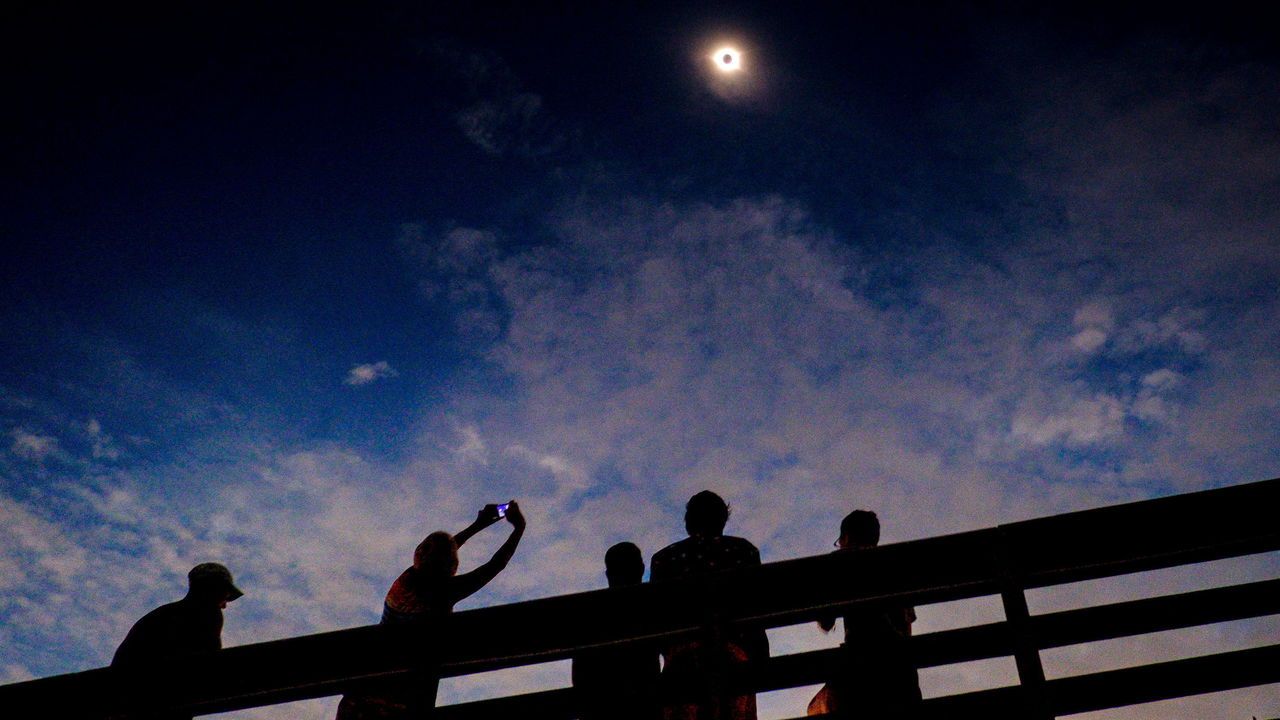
{"points": [[249, 163]]}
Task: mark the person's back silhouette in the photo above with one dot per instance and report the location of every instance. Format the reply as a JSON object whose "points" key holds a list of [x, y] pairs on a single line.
{"points": [[700, 663], [618, 682], [878, 678], [186, 627]]}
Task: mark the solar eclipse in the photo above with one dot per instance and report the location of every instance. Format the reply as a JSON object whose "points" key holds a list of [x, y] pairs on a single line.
{"points": [[727, 59]]}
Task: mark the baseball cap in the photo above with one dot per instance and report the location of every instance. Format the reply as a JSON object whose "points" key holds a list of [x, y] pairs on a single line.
{"points": [[211, 572]]}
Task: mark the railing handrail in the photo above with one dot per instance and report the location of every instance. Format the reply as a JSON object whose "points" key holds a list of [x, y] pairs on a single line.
{"points": [[966, 644], [1144, 535]]}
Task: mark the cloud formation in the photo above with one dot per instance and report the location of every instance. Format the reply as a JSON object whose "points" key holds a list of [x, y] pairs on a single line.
{"points": [[32, 446], [653, 350], [496, 112], [369, 372], [660, 349]]}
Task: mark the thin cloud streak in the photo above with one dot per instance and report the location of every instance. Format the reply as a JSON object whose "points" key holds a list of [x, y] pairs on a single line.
{"points": [[369, 372], [32, 446]]}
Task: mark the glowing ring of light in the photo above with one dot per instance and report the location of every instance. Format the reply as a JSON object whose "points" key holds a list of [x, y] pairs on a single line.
{"points": [[727, 59]]}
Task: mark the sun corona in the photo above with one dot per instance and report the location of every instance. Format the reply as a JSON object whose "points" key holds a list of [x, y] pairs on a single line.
{"points": [[727, 59]]}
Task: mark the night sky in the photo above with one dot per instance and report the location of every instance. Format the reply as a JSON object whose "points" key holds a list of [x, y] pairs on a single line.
{"points": [[289, 287]]}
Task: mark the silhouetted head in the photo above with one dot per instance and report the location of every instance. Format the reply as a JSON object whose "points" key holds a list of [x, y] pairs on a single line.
{"points": [[860, 529], [437, 555], [706, 514], [623, 565], [211, 583]]}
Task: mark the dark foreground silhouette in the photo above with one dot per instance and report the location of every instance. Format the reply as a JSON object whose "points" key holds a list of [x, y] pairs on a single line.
{"points": [[188, 626], [1008, 559], [619, 683], [425, 593], [704, 664], [877, 678]]}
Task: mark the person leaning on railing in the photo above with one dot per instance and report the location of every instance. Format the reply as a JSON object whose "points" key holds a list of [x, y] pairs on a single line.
{"points": [[703, 665], [426, 592], [878, 678], [190, 626], [618, 683]]}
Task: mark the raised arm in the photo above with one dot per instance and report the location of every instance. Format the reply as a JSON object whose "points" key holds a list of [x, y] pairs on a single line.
{"points": [[487, 516], [468, 583]]}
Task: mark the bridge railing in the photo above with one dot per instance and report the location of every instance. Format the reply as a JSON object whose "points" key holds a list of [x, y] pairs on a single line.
{"points": [[1003, 561]]}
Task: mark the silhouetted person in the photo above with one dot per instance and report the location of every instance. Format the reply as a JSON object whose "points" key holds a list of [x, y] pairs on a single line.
{"points": [[701, 663], [189, 626], [619, 682], [878, 679], [425, 593]]}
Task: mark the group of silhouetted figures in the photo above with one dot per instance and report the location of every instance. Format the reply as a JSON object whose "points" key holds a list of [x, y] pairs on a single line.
{"points": [[877, 678]]}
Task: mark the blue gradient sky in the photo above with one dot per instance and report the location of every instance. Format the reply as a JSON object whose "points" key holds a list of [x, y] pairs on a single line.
{"points": [[290, 288]]}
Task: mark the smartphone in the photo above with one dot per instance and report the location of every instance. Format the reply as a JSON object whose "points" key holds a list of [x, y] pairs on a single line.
{"points": [[502, 510]]}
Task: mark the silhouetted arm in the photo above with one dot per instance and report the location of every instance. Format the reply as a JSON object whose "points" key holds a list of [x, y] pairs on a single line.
{"points": [[908, 617], [467, 583], [487, 516]]}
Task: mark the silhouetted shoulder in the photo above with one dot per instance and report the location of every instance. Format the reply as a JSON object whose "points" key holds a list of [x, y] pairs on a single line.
{"points": [[668, 552], [698, 555], [742, 549], [177, 628]]}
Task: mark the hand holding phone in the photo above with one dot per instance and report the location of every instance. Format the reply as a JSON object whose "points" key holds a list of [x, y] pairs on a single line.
{"points": [[511, 511], [492, 513], [488, 515]]}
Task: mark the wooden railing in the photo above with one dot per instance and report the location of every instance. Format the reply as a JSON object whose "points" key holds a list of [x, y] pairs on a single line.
{"points": [[1004, 561]]}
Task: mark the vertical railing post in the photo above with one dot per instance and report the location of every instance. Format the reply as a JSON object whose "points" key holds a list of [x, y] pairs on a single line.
{"points": [[1026, 651], [714, 651]]}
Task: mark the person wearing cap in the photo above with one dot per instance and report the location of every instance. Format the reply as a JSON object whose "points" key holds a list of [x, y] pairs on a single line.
{"points": [[185, 627]]}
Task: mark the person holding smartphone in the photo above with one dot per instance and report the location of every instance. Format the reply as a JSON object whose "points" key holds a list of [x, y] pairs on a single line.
{"points": [[426, 592]]}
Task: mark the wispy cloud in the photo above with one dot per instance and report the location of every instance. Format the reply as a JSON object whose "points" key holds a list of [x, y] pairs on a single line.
{"points": [[32, 446], [1095, 323], [103, 445], [369, 372], [455, 266], [497, 113], [660, 349], [14, 672], [1085, 422]]}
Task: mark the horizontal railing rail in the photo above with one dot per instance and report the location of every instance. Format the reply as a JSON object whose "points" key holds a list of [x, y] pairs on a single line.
{"points": [[982, 642], [1091, 544]]}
